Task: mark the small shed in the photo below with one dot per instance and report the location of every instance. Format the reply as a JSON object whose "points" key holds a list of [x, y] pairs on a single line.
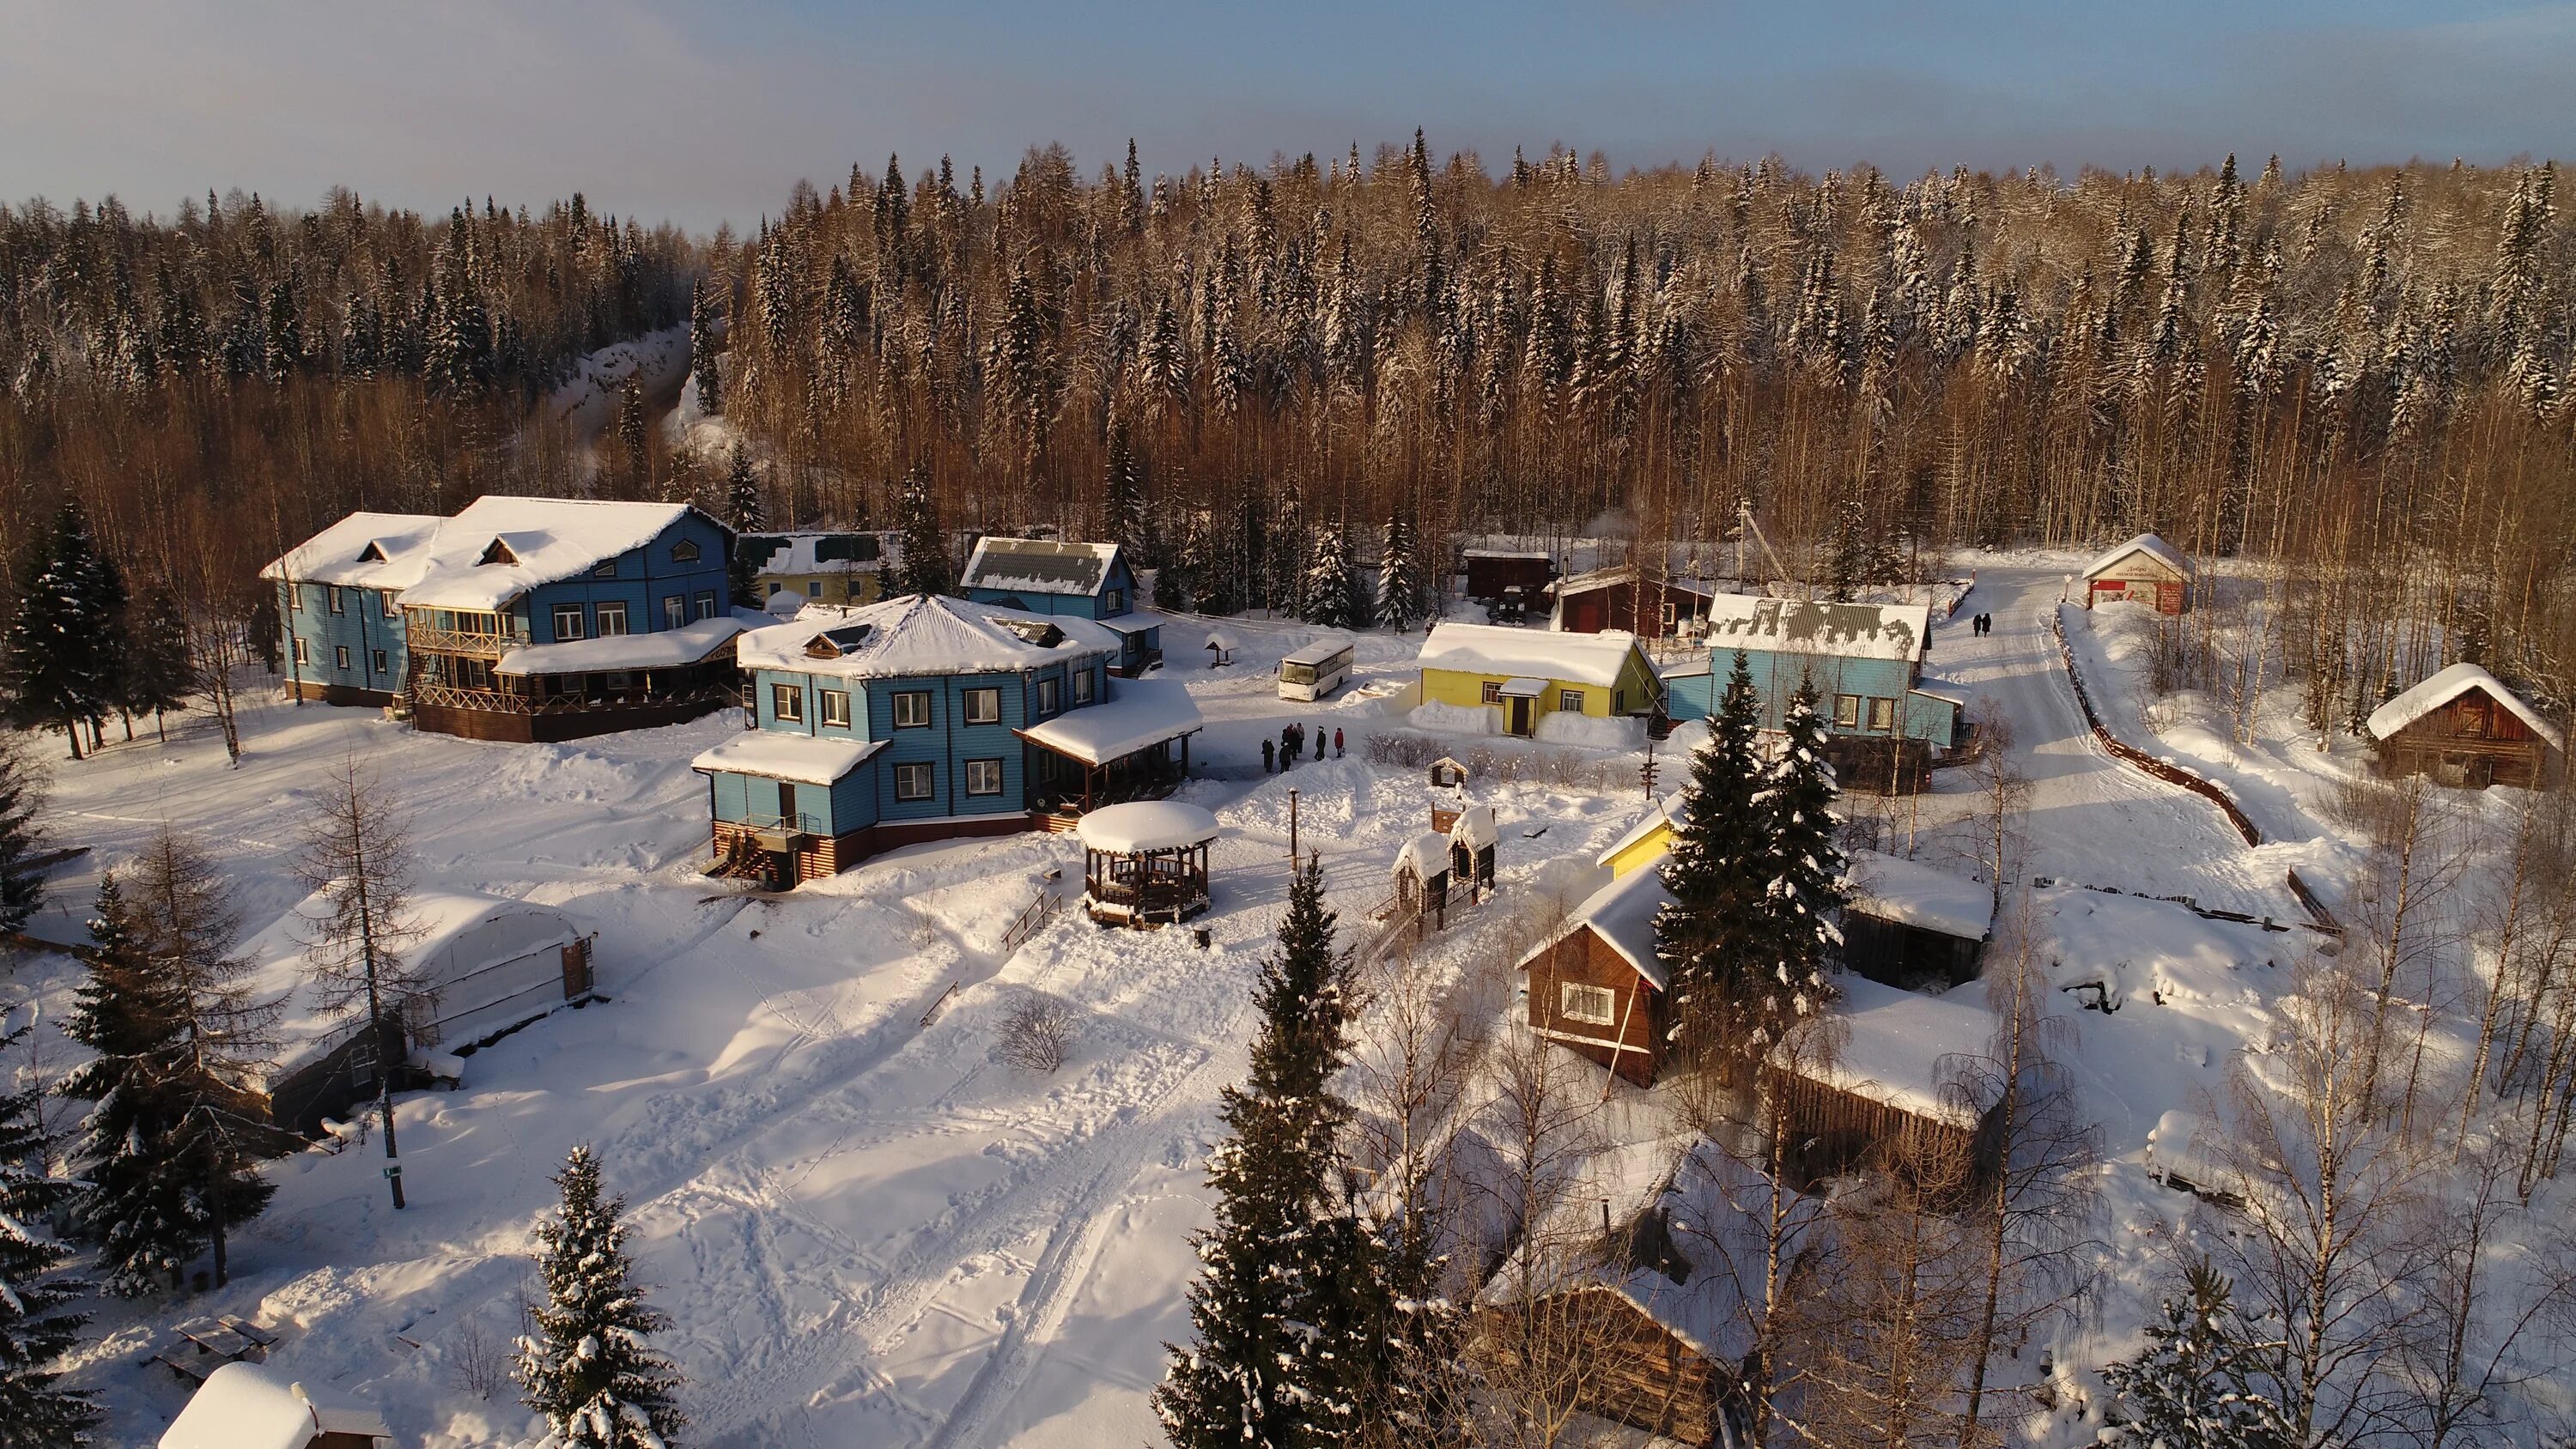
{"points": [[248, 1406], [1646, 601], [1145, 863], [1596, 984], [2183, 1153], [1886, 1089], [1491, 571], [1220, 646], [2145, 570], [2463, 727], [1448, 774], [1421, 877], [1473, 837], [1909, 925]]}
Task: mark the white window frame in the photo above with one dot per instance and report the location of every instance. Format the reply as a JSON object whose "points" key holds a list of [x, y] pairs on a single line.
{"points": [[983, 706], [612, 609], [787, 702], [1847, 711], [605, 569], [303, 655], [1082, 686], [685, 551], [1586, 1003], [381, 664], [929, 781], [1882, 714], [675, 610], [392, 606], [916, 701], [988, 770], [1049, 698], [339, 602], [1493, 691], [836, 707], [702, 606], [580, 618], [1570, 699], [340, 657], [1116, 603]]}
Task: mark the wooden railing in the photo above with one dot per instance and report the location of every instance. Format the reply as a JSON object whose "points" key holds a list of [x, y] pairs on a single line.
{"points": [[2128, 754], [426, 640], [1032, 916], [498, 701]]}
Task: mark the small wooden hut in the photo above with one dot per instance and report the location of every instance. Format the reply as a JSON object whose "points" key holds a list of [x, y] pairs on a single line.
{"points": [[1909, 925], [2463, 727], [1422, 879], [2145, 570], [1886, 1088], [1472, 841], [1145, 863], [1597, 986]]}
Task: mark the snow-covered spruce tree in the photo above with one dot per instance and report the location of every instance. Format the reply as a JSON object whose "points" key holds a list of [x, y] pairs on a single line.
{"points": [[630, 435], [34, 1328], [1852, 559], [1805, 889], [925, 567], [702, 350], [56, 664], [1324, 597], [158, 673], [1285, 1288], [2194, 1385], [22, 886], [587, 1368], [1400, 589], [1122, 504], [138, 1203], [1718, 875]]}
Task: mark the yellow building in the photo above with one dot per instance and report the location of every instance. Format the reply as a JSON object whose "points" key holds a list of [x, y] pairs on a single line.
{"points": [[1524, 675], [821, 568], [1648, 841]]}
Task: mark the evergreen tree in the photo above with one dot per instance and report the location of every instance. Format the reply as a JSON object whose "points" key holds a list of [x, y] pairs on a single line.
{"points": [[926, 567], [1805, 888], [1851, 561], [702, 351], [1716, 874], [58, 665], [743, 514], [1285, 1284], [1325, 596], [1400, 588], [630, 435], [34, 1329], [587, 1368], [2193, 1386], [22, 886], [1123, 517], [158, 672], [136, 1203]]}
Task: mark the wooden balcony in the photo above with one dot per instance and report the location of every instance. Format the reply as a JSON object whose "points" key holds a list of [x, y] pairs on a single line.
{"points": [[421, 639]]}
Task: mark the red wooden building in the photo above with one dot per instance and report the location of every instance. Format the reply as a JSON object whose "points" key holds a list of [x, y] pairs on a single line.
{"points": [[1646, 602], [1490, 571], [2144, 570], [1597, 986], [2463, 727]]}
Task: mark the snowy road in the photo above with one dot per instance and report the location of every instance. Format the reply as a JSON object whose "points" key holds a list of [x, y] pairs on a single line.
{"points": [[2092, 820]]}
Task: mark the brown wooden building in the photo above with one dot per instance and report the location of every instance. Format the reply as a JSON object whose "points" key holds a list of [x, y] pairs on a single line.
{"points": [[1490, 571], [1644, 601], [1597, 986], [1909, 925], [1883, 1082], [2463, 727]]}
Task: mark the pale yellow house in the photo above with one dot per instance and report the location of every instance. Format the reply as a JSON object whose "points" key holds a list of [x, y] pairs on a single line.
{"points": [[1649, 840], [821, 568], [1524, 675]]}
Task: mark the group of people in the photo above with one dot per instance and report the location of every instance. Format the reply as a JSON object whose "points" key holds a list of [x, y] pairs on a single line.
{"points": [[1292, 743], [1981, 624]]}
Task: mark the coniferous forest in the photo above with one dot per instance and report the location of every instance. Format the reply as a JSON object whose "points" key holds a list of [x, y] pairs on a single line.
{"points": [[2354, 381]]}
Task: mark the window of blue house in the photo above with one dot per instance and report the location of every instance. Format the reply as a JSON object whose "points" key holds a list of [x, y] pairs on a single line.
{"points": [[336, 601], [913, 781], [787, 702], [702, 607], [607, 569], [983, 777], [1847, 711], [912, 710], [983, 706], [568, 623], [340, 657], [685, 551], [392, 610], [1115, 602], [675, 611], [380, 662], [612, 618], [1082, 686], [836, 707], [1882, 714], [1046, 697]]}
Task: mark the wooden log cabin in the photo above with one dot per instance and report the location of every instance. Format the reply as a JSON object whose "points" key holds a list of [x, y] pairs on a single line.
{"points": [[1909, 925], [2463, 727], [1882, 1083], [1596, 986], [1645, 601]]}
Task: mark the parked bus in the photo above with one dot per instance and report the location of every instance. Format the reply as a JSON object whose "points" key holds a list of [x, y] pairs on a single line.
{"points": [[1316, 670]]}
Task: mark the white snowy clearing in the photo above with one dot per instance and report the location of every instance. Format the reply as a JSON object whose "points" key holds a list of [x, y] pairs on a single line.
{"points": [[869, 1233]]}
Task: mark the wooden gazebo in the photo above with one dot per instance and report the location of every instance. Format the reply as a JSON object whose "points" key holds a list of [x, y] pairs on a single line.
{"points": [[1145, 863]]}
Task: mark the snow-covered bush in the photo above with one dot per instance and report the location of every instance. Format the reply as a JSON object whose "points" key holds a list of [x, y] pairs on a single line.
{"points": [[1035, 1035]]}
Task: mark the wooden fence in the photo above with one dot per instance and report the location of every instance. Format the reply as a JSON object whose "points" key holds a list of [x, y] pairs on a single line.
{"points": [[2127, 754]]}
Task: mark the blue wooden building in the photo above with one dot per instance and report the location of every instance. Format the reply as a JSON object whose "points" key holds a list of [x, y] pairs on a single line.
{"points": [[1084, 580], [923, 717], [516, 619], [1865, 661]]}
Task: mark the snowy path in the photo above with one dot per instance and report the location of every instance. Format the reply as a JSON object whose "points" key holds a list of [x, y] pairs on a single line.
{"points": [[2092, 820]]}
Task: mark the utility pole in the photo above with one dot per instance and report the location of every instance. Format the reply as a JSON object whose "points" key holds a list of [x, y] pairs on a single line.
{"points": [[1292, 828]]}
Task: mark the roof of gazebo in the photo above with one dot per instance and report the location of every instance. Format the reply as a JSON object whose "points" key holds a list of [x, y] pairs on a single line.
{"points": [[1143, 825]]}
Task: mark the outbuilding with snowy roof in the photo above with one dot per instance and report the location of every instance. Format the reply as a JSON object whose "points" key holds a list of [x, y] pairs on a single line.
{"points": [[1907, 924], [1062, 577], [1596, 984], [252, 1406], [2463, 727], [2145, 570], [1518, 677], [1882, 1078], [1145, 863]]}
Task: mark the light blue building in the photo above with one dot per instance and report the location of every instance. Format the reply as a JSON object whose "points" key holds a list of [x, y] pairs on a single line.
{"points": [[922, 717], [1081, 580], [1865, 661], [517, 619]]}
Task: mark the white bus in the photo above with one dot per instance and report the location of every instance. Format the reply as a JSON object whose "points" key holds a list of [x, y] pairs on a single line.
{"points": [[1316, 670]]}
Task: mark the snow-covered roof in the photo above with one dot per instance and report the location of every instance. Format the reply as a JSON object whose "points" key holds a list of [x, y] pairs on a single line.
{"points": [[1621, 574], [1137, 714], [1668, 812], [1474, 827], [1039, 566], [921, 634], [778, 755], [1622, 914], [2447, 686], [530, 541], [813, 553], [667, 649], [1142, 825], [2191, 1145], [784, 603], [1496, 649], [243, 1406], [1893, 888], [1894, 1044], [363, 551], [1497, 552], [2145, 543], [1426, 855], [1801, 626], [455, 934]]}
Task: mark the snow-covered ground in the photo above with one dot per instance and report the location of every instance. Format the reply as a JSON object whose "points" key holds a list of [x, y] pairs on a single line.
{"points": [[869, 1233]]}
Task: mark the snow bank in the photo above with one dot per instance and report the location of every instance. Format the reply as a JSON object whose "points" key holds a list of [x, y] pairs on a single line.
{"points": [[1592, 732], [1456, 719]]}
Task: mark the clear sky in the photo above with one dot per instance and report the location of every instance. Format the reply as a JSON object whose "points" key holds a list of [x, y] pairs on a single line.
{"points": [[705, 112]]}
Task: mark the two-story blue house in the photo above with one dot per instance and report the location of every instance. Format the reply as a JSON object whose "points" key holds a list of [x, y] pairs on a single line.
{"points": [[1865, 661], [1083, 580], [922, 717], [518, 618]]}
